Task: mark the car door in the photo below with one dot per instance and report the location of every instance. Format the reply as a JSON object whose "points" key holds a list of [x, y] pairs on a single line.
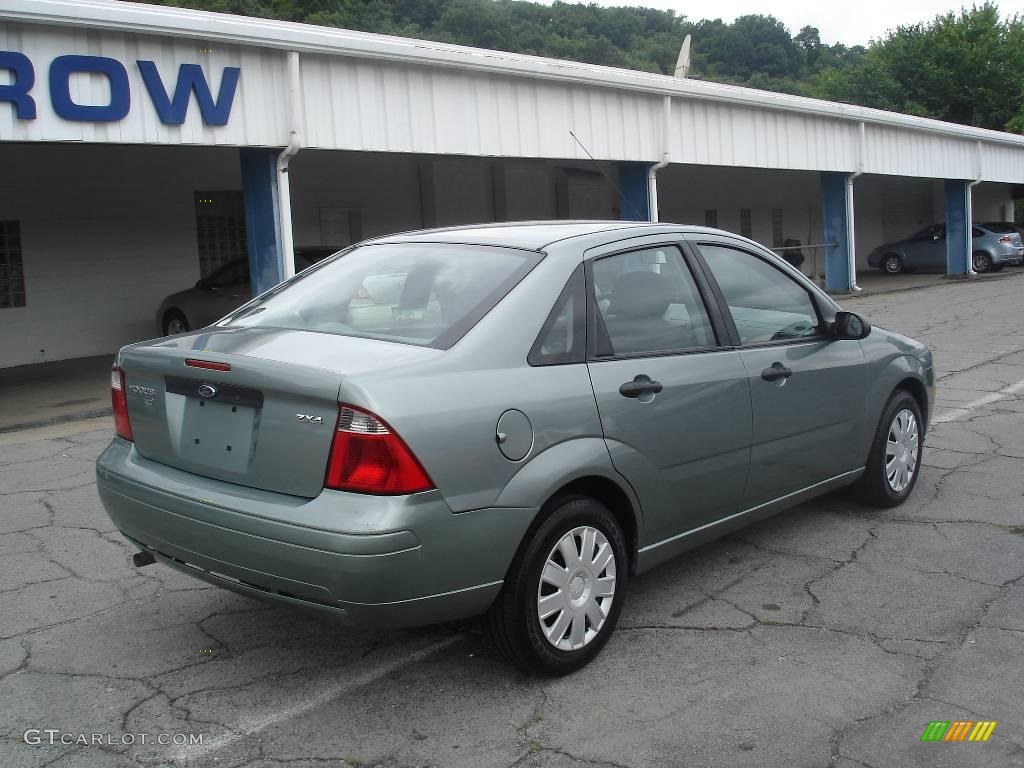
{"points": [[674, 400], [807, 389], [928, 249]]}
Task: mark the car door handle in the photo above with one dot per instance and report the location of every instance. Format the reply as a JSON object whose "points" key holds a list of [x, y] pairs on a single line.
{"points": [[641, 385], [775, 372]]}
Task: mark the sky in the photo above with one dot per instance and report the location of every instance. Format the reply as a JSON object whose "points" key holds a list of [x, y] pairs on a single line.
{"points": [[851, 23]]}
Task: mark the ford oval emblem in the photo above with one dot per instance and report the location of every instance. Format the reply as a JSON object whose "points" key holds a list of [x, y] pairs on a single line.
{"points": [[207, 390]]}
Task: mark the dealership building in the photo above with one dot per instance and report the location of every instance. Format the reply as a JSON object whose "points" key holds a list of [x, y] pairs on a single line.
{"points": [[143, 147]]}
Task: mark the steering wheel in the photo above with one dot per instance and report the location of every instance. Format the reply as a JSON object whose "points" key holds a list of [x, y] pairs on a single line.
{"points": [[792, 331]]}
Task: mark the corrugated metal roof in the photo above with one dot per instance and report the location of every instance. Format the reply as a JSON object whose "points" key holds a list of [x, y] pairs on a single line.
{"points": [[241, 30]]}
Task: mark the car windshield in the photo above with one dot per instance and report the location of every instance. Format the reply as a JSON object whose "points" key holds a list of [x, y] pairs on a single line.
{"points": [[999, 228], [429, 294]]}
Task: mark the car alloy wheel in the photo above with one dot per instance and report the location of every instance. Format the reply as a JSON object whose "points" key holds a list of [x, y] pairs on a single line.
{"points": [[577, 588], [901, 450], [893, 264], [982, 262]]}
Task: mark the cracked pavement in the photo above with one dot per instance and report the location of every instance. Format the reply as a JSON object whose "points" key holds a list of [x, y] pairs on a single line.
{"points": [[829, 635]]}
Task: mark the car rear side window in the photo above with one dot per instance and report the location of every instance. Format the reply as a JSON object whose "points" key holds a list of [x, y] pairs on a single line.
{"points": [[648, 303], [428, 294], [563, 339]]}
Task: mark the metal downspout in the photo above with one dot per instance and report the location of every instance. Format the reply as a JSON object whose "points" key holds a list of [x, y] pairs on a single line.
{"points": [[284, 193], [851, 235], [652, 173], [969, 224]]}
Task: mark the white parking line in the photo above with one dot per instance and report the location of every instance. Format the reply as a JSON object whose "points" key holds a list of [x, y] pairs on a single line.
{"points": [[981, 402], [245, 729]]}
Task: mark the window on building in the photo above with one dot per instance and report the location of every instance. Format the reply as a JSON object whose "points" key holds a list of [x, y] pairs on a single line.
{"points": [[777, 236], [711, 217], [12, 275], [220, 229], [746, 228]]}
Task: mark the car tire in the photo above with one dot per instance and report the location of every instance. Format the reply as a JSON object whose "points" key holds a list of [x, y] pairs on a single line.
{"points": [[887, 482], [514, 625], [892, 264], [175, 322], [981, 262]]}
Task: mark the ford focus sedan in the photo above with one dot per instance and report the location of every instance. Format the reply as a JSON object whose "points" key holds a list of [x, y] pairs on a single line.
{"points": [[527, 417], [993, 246]]}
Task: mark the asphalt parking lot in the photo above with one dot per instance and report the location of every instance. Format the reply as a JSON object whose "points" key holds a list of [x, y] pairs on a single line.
{"points": [[828, 636]]}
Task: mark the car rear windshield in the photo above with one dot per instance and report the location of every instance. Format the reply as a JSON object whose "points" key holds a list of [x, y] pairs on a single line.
{"points": [[429, 294]]}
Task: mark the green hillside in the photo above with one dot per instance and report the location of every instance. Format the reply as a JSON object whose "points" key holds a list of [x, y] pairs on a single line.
{"points": [[965, 67]]}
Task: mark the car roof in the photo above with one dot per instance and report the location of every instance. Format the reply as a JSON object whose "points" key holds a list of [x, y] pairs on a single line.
{"points": [[532, 235]]}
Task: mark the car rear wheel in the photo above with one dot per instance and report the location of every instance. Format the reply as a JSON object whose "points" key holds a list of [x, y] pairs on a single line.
{"points": [[982, 261], [892, 264], [564, 590], [895, 459], [174, 323]]}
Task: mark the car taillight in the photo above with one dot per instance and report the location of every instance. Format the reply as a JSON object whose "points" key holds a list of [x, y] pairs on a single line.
{"points": [[1004, 239], [122, 426], [368, 457]]}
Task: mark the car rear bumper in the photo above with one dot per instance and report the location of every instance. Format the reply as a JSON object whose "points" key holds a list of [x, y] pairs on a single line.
{"points": [[1007, 255], [372, 561]]}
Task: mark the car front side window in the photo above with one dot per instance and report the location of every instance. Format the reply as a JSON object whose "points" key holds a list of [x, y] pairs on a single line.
{"points": [[766, 304]]}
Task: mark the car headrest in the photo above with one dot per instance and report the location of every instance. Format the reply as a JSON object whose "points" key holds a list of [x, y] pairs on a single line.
{"points": [[640, 294]]}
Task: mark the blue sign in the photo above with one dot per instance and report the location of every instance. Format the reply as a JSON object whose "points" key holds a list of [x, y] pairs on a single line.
{"points": [[170, 108]]}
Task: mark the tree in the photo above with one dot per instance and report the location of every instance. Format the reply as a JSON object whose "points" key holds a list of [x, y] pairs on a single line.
{"points": [[965, 68]]}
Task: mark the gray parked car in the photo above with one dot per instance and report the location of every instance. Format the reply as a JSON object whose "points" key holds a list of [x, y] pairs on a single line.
{"points": [[993, 246], [542, 411], [215, 295]]}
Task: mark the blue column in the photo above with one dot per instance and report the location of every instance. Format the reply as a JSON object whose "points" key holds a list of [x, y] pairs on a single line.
{"points": [[633, 202], [836, 224], [262, 217], [958, 227]]}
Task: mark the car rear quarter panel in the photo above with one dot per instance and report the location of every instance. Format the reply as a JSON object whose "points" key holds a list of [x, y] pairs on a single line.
{"points": [[447, 409]]}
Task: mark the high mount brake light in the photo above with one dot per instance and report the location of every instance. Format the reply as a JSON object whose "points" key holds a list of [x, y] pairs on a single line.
{"points": [[209, 365], [368, 457]]}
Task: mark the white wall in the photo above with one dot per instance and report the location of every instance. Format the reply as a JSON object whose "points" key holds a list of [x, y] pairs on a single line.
{"points": [[396, 193], [686, 191], [384, 188], [106, 233], [992, 202]]}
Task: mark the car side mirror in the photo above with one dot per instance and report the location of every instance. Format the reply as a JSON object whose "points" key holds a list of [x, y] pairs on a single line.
{"points": [[850, 325]]}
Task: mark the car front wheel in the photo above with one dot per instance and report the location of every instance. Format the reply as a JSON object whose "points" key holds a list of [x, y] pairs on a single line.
{"points": [[564, 590], [895, 459]]}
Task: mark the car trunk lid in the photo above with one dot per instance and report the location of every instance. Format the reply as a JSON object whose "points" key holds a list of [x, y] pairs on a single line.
{"points": [[268, 420]]}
